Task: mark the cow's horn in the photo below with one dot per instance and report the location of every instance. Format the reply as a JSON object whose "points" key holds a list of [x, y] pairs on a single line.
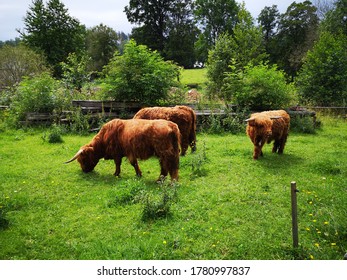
{"points": [[75, 156], [250, 119], [276, 117]]}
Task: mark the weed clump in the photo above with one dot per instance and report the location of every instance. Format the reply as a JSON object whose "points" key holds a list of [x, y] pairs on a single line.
{"points": [[158, 207]]}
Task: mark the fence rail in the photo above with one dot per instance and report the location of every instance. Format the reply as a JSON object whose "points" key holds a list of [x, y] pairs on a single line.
{"points": [[95, 109]]}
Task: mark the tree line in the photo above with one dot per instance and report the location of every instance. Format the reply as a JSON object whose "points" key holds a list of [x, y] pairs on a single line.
{"points": [[306, 44]]}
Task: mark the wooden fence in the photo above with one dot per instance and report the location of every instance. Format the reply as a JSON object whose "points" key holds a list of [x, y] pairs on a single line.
{"points": [[96, 109]]}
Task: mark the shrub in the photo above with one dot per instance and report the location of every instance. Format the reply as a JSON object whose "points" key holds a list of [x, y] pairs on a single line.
{"points": [[258, 88], [139, 75], [302, 125], [35, 94]]}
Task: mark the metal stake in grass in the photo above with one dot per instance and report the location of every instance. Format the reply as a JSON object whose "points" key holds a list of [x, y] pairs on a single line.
{"points": [[294, 215]]}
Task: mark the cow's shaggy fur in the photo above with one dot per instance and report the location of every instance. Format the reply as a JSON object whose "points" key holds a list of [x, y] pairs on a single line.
{"points": [[134, 139], [183, 116], [267, 126]]}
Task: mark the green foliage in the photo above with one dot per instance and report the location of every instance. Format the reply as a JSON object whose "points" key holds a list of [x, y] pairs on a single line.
{"points": [[323, 79], [296, 34], [54, 135], [216, 17], [335, 20], [50, 29], [244, 47], [101, 44], [79, 122], [258, 88], [302, 125], [165, 26], [35, 94], [17, 62], [139, 75], [75, 71]]}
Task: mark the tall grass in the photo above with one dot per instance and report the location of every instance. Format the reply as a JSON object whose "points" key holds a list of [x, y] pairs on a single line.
{"points": [[225, 206]]}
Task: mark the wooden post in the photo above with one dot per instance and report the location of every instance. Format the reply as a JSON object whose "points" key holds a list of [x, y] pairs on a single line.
{"points": [[294, 215]]}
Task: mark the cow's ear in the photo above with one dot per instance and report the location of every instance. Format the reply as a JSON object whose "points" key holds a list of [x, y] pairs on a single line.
{"points": [[251, 121], [87, 150]]}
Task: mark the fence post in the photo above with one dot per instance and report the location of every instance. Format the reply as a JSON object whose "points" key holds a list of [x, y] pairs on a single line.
{"points": [[294, 215]]}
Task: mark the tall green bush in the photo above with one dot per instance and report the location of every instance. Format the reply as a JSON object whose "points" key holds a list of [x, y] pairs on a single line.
{"points": [[36, 94], [257, 88], [139, 75], [323, 79]]}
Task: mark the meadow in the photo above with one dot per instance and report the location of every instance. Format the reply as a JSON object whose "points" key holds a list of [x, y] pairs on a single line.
{"points": [[225, 205]]}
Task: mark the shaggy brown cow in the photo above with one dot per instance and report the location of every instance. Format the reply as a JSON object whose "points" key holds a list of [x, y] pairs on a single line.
{"points": [[134, 139], [267, 126], [183, 116]]}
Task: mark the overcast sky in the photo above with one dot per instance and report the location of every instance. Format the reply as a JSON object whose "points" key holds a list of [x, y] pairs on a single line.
{"points": [[94, 12]]}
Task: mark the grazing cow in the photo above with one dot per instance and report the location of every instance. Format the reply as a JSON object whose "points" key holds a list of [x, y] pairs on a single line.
{"points": [[134, 139], [267, 126], [183, 116]]}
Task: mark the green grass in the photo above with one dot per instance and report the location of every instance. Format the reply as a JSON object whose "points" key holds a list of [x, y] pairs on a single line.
{"points": [[226, 205], [194, 76]]}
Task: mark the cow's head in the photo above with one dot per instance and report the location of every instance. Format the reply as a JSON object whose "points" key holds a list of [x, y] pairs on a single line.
{"points": [[86, 157], [262, 124]]}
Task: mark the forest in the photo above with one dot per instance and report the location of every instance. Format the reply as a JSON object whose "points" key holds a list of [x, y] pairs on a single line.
{"points": [[274, 60]]}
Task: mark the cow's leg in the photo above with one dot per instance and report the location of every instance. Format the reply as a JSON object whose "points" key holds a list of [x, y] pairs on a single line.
{"points": [[163, 169], [173, 169], [193, 146], [118, 162], [282, 144], [257, 151], [135, 164], [184, 147], [276, 146]]}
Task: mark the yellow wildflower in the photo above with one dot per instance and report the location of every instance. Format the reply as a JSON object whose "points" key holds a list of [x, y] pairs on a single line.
{"points": [[333, 244], [326, 223], [311, 257]]}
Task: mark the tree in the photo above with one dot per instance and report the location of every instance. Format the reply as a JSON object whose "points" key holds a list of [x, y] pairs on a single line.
{"points": [[297, 32], [17, 62], [215, 17], [243, 47], [139, 75], [323, 78], [51, 30], [268, 19], [167, 26], [154, 16], [101, 44], [182, 36], [336, 19]]}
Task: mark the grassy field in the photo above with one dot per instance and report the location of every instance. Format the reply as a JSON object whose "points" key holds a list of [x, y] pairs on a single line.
{"points": [[226, 205], [194, 76]]}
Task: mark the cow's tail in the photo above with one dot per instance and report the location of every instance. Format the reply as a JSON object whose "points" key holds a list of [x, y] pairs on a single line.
{"points": [[176, 139]]}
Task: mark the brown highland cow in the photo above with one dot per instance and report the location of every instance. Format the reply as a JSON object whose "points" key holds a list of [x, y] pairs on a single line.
{"points": [[267, 126]]}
